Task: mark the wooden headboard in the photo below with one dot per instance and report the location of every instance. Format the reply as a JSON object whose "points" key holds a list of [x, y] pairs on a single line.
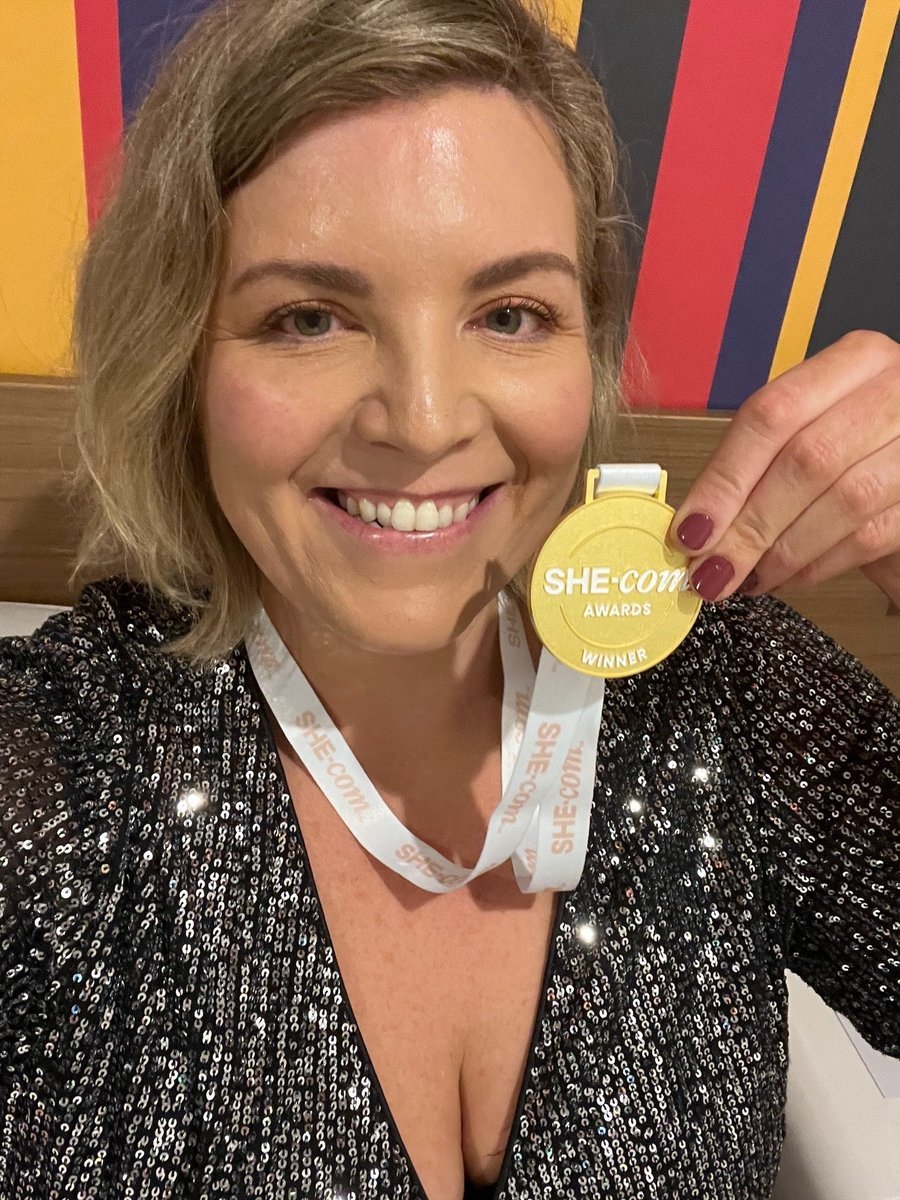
{"points": [[38, 532]]}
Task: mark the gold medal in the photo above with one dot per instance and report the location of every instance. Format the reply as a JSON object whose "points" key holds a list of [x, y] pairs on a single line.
{"points": [[607, 595]]}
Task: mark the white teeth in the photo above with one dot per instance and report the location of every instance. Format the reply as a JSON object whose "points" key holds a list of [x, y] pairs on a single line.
{"points": [[427, 517], [405, 516]]}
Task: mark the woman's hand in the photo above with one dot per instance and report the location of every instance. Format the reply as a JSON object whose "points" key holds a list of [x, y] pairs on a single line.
{"points": [[806, 482]]}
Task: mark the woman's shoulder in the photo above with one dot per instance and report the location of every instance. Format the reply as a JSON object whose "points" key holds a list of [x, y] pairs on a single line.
{"points": [[116, 624], [741, 628], [79, 675], [69, 695], [756, 653], [110, 613], [762, 636]]}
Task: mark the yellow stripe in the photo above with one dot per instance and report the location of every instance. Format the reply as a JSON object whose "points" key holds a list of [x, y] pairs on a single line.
{"points": [[43, 218], [565, 17], [854, 113]]}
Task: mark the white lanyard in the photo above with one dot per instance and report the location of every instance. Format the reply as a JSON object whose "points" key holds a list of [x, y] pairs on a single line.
{"points": [[543, 817]]}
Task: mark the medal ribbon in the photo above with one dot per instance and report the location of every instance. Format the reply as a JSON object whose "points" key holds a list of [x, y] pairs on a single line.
{"points": [[549, 731]]}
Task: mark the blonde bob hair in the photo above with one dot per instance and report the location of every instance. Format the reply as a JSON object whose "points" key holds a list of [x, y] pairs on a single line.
{"points": [[248, 76]]}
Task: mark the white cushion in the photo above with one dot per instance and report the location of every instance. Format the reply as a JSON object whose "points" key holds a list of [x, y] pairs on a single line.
{"points": [[19, 620], [842, 1139]]}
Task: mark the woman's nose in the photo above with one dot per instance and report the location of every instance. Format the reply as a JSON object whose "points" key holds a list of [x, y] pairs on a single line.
{"points": [[426, 403]]}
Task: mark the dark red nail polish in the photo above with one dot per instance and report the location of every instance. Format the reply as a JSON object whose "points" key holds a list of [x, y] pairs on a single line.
{"points": [[694, 531], [711, 576], [750, 584]]}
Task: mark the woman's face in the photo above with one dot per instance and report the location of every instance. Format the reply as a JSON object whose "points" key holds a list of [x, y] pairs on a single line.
{"points": [[399, 330]]}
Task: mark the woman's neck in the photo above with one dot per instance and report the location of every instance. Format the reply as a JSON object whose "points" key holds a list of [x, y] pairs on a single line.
{"points": [[425, 728], [381, 702]]}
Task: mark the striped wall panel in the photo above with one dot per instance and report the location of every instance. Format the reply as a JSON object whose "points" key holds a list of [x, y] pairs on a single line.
{"points": [[761, 147], [761, 140]]}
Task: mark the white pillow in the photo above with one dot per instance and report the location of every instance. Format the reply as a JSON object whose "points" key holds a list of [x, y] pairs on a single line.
{"points": [[19, 620]]}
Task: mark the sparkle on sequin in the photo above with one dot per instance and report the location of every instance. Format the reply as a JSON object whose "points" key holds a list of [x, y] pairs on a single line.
{"points": [[191, 801]]}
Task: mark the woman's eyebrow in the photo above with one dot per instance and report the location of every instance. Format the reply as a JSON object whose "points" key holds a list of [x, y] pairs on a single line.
{"points": [[355, 283]]}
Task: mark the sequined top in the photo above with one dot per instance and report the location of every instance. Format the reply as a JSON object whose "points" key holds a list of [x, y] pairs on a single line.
{"points": [[172, 1017]]}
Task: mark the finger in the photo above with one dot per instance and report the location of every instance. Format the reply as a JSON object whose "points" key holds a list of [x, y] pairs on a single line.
{"points": [[867, 489], [875, 542], [765, 423]]}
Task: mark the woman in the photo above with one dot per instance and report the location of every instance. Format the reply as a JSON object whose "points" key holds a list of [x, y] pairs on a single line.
{"points": [[363, 268]]}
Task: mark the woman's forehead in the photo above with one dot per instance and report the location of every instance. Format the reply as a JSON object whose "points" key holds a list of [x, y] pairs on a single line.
{"points": [[412, 170]]}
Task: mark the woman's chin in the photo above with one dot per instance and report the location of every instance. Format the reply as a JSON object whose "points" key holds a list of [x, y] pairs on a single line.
{"points": [[399, 623]]}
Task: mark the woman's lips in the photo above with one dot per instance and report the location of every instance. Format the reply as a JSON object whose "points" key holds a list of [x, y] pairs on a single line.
{"points": [[393, 541]]}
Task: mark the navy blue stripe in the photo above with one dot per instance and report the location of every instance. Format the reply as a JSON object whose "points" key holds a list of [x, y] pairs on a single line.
{"points": [[632, 47], [148, 29], [801, 132]]}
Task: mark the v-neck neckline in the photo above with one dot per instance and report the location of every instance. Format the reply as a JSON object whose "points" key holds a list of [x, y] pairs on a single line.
{"points": [[266, 733]]}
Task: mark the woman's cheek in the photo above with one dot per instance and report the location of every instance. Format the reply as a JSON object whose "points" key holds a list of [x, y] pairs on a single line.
{"points": [[564, 427], [255, 426]]}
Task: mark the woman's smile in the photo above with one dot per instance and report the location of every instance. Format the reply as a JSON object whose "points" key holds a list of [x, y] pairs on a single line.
{"points": [[407, 525]]}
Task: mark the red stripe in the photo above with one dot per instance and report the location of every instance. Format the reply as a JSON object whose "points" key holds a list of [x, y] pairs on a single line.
{"points": [[100, 85], [732, 63]]}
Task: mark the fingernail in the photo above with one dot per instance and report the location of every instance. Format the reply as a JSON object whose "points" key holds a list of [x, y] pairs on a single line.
{"points": [[694, 531], [750, 584], [711, 576]]}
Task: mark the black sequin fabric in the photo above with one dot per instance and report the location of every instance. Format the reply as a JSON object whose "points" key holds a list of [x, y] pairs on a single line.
{"points": [[173, 1022]]}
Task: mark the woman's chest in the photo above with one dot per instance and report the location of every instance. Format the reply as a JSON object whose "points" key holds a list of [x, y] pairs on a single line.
{"points": [[444, 990]]}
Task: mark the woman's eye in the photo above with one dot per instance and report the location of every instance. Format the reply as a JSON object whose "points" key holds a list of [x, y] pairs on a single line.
{"points": [[510, 317], [306, 322]]}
